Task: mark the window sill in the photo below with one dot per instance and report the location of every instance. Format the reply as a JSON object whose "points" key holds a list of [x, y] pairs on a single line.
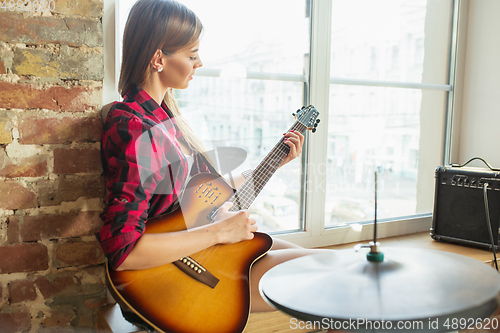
{"points": [[423, 240]]}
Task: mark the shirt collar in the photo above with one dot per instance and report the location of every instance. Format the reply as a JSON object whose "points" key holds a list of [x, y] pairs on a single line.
{"points": [[147, 102]]}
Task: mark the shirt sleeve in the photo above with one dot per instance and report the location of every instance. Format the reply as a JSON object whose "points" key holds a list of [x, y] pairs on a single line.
{"points": [[132, 162]]}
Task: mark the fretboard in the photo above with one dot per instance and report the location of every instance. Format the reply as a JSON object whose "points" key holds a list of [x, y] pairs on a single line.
{"points": [[254, 184]]}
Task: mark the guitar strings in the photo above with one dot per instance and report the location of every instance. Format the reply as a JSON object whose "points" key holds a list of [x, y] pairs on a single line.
{"points": [[207, 253], [199, 257], [245, 194], [248, 193], [203, 259], [250, 189]]}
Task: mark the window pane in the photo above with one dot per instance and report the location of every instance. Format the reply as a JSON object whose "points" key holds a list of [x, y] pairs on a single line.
{"points": [[397, 132], [252, 115], [231, 111], [387, 130], [262, 35], [391, 40]]}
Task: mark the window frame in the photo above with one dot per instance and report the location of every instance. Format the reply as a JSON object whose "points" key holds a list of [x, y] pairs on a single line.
{"points": [[317, 83]]}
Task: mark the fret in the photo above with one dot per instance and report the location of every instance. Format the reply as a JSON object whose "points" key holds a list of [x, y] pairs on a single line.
{"points": [[255, 182]]}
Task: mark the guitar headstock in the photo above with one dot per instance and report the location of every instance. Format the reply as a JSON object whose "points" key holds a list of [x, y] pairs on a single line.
{"points": [[308, 115]]}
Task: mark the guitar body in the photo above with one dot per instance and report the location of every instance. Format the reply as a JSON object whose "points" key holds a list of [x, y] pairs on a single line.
{"points": [[172, 301]]}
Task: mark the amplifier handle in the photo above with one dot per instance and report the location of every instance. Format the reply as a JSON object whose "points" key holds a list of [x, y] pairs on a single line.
{"points": [[472, 159]]}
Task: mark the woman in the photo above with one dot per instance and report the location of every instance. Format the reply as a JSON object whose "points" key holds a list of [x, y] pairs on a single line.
{"points": [[145, 173]]}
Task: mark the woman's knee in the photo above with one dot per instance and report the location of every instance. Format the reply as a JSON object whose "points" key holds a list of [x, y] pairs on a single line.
{"points": [[280, 244]]}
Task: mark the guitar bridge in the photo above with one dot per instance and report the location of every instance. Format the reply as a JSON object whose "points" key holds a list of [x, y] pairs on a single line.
{"points": [[196, 271]]}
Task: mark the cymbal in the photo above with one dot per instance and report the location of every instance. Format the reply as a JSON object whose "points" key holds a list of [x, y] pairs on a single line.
{"points": [[408, 285]]}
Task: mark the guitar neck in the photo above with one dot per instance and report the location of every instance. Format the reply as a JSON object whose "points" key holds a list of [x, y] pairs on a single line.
{"points": [[254, 184]]}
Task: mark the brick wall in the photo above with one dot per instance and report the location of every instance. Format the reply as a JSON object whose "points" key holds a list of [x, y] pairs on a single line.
{"points": [[51, 187]]}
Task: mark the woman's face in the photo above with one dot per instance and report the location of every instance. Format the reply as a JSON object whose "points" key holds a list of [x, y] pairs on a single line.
{"points": [[179, 67]]}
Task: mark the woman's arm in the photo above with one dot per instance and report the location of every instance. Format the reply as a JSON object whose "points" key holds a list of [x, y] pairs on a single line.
{"points": [[152, 250]]}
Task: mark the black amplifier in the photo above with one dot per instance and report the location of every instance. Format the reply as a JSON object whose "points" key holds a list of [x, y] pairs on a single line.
{"points": [[459, 206]]}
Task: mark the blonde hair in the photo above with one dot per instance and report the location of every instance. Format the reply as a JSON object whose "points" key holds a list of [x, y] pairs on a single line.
{"points": [[186, 130], [158, 24]]}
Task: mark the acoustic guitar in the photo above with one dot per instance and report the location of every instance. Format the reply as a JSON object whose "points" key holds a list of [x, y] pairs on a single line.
{"points": [[208, 291]]}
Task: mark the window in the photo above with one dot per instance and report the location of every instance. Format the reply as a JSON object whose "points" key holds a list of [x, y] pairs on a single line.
{"points": [[373, 69], [386, 135], [251, 83]]}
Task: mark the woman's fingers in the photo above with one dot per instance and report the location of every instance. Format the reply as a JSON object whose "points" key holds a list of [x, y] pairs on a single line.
{"points": [[234, 226], [294, 140]]}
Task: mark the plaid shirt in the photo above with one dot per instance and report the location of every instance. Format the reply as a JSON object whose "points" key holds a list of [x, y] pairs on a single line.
{"points": [[144, 167]]}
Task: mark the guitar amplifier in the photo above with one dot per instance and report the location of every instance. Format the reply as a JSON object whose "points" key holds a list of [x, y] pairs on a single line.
{"points": [[459, 208]]}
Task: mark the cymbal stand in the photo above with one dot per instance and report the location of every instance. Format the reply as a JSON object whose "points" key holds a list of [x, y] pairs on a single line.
{"points": [[374, 255]]}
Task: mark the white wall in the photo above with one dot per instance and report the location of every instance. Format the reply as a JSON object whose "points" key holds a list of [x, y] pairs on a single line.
{"points": [[109, 92], [478, 130]]}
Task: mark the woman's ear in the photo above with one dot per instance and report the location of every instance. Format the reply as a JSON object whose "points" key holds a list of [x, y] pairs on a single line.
{"points": [[157, 62]]}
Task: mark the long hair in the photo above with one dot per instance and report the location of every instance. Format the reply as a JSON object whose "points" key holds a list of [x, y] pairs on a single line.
{"points": [[158, 24]]}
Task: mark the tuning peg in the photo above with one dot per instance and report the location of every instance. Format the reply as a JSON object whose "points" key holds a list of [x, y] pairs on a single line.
{"points": [[317, 120], [313, 130], [315, 125], [293, 114]]}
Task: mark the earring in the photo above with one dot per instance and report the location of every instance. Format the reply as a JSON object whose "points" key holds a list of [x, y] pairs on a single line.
{"points": [[160, 69]]}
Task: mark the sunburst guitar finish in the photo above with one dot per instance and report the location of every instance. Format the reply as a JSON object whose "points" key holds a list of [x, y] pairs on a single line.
{"points": [[169, 299]]}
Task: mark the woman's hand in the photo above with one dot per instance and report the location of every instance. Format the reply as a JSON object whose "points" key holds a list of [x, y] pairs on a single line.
{"points": [[234, 227], [294, 140]]}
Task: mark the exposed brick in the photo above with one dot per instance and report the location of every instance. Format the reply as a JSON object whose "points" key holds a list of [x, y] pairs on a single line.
{"points": [[96, 274], [37, 130], [56, 284], [77, 98], [5, 130], [85, 320], [15, 196], [13, 234], [15, 319], [70, 188], [78, 253], [35, 228], [77, 160], [21, 291], [66, 284], [95, 303], [85, 316], [70, 63], [23, 258], [15, 28], [26, 96], [59, 49], [88, 8], [33, 166], [58, 317]]}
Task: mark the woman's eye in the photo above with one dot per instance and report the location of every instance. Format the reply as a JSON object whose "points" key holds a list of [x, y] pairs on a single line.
{"points": [[193, 58]]}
